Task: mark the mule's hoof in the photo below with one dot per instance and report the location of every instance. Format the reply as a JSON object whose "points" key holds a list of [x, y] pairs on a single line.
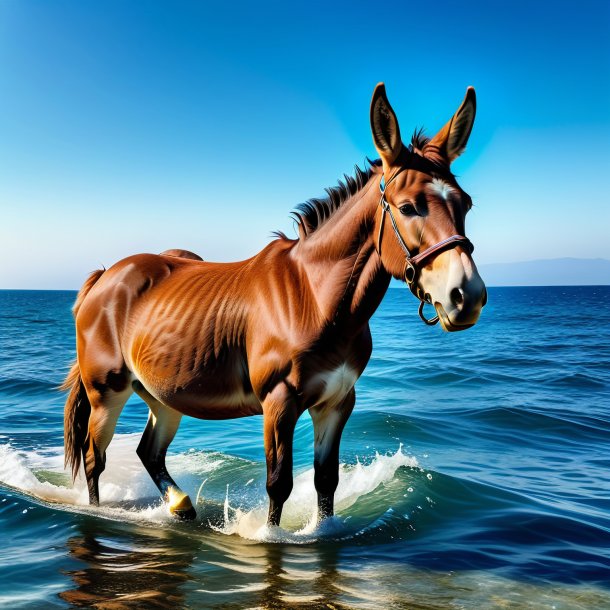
{"points": [[180, 504], [184, 515]]}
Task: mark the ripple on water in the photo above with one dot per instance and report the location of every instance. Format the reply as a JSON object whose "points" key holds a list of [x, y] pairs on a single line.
{"points": [[514, 417]]}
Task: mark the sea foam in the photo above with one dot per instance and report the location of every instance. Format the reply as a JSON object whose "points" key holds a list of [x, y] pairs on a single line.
{"points": [[127, 492]]}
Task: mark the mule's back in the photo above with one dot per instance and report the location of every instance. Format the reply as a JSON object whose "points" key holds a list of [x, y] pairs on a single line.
{"points": [[181, 254]]}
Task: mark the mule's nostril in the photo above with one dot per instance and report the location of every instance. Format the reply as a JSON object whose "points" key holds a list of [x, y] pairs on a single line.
{"points": [[457, 297], [484, 300]]}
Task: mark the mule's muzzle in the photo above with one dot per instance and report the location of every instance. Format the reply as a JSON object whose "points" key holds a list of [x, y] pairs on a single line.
{"points": [[446, 323], [463, 308]]}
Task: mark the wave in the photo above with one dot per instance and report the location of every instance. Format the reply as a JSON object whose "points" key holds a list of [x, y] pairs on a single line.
{"points": [[128, 494], [445, 520], [28, 387], [564, 426], [300, 514]]}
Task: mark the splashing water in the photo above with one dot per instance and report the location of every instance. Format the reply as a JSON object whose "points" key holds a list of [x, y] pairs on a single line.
{"points": [[300, 511], [127, 491]]}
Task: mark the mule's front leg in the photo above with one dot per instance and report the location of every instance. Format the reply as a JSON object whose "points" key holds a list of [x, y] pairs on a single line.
{"points": [[280, 417], [328, 423]]}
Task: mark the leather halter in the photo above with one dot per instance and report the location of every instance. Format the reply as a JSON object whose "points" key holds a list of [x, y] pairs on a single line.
{"points": [[413, 263]]}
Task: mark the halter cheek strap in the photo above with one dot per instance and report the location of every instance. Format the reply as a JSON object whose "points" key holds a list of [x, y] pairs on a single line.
{"points": [[414, 263]]}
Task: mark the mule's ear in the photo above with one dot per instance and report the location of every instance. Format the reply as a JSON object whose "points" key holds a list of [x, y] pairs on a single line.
{"points": [[384, 125], [451, 140]]}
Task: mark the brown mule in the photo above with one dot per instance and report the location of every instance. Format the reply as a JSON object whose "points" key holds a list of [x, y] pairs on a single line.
{"points": [[283, 332]]}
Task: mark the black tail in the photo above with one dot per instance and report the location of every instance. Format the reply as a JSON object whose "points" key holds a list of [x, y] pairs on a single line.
{"points": [[76, 419], [78, 407]]}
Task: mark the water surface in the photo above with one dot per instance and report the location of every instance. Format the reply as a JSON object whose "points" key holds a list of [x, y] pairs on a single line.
{"points": [[474, 475]]}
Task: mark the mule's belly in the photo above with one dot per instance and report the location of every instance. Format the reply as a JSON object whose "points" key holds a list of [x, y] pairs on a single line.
{"points": [[220, 390], [224, 395], [205, 406], [202, 404]]}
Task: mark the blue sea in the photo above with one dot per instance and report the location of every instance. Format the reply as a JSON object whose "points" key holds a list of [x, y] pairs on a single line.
{"points": [[475, 474]]}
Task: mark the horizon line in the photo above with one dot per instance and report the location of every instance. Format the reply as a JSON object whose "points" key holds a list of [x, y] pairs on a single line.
{"points": [[389, 287]]}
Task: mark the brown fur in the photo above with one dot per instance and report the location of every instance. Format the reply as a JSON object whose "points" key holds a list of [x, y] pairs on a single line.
{"points": [[181, 254]]}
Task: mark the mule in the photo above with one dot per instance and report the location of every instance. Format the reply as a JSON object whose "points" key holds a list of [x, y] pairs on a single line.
{"points": [[284, 332]]}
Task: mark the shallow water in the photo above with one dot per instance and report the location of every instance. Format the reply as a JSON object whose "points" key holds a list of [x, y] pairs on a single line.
{"points": [[474, 475]]}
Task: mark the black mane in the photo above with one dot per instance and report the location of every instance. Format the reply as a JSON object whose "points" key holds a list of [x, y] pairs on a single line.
{"points": [[313, 213]]}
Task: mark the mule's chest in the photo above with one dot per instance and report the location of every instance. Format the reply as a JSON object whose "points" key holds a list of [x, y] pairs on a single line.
{"points": [[329, 385], [330, 372]]}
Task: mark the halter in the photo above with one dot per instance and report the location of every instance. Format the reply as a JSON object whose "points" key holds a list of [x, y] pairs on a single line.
{"points": [[413, 263]]}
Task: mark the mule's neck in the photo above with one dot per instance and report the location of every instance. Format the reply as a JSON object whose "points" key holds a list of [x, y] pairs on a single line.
{"points": [[341, 262]]}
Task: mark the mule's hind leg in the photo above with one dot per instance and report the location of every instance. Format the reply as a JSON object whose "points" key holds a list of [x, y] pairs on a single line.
{"points": [[328, 423], [160, 430], [106, 406]]}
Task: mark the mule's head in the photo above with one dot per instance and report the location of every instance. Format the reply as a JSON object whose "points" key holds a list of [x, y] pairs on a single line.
{"points": [[425, 206]]}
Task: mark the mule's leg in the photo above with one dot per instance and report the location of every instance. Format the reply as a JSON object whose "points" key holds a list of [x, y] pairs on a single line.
{"points": [[106, 406], [328, 423], [280, 417], [160, 430]]}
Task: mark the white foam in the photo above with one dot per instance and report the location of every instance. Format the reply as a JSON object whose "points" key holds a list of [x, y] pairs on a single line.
{"points": [[124, 480], [300, 511], [127, 492], [15, 471]]}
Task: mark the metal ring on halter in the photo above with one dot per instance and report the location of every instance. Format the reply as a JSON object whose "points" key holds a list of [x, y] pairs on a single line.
{"points": [[420, 311], [410, 272]]}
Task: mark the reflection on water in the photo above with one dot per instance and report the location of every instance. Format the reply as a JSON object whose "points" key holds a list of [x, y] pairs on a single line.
{"points": [[129, 567], [117, 565], [274, 576], [194, 567], [124, 566], [123, 570]]}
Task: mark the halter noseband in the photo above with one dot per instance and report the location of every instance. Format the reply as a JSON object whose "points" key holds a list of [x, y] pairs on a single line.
{"points": [[413, 263]]}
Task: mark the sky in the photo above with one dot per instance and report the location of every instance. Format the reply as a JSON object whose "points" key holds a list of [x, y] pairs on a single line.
{"points": [[140, 126]]}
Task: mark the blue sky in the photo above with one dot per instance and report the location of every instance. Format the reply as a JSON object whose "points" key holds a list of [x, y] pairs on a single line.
{"points": [[129, 127]]}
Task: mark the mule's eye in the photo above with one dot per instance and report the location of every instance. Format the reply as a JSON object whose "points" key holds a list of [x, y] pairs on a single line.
{"points": [[408, 209]]}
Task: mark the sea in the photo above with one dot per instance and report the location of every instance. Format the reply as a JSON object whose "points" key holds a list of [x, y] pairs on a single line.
{"points": [[475, 473]]}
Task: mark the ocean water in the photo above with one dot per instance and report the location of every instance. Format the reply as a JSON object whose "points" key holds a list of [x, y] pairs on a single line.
{"points": [[475, 474]]}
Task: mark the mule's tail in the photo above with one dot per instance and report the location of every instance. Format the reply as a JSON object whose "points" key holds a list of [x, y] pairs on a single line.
{"points": [[78, 407], [76, 419]]}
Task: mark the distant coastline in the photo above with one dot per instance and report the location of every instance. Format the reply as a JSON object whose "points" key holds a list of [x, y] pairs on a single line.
{"points": [[548, 272]]}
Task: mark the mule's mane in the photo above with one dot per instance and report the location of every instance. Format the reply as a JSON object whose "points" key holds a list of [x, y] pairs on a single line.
{"points": [[313, 213]]}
